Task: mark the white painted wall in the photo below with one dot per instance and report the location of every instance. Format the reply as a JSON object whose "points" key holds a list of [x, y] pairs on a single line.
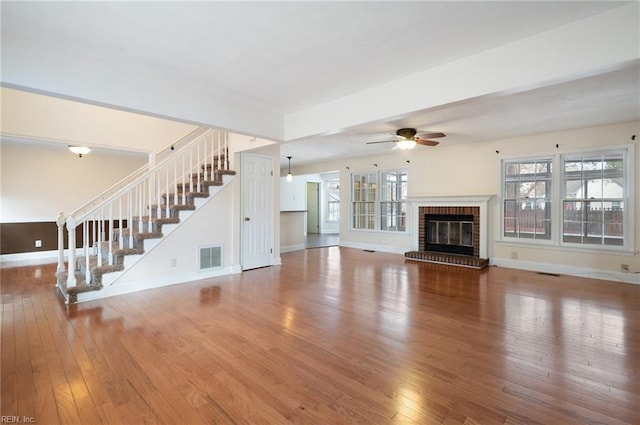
{"points": [[41, 179], [475, 170], [209, 225], [293, 194], [292, 230]]}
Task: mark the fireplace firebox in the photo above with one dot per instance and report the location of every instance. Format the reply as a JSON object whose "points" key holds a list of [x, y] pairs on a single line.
{"points": [[449, 233]]}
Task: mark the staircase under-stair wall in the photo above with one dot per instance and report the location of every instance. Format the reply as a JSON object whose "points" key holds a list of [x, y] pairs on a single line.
{"points": [[167, 224]]}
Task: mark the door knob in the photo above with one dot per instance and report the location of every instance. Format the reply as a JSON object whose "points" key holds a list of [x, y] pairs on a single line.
{"points": [[247, 219]]}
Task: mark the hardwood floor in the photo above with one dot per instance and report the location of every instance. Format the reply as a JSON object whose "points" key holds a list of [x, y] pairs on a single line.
{"points": [[333, 336]]}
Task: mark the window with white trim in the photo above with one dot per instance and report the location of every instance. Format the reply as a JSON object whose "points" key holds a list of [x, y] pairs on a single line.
{"points": [[363, 197], [393, 201], [593, 206], [527, 198], [589, 208], [384, 209]]}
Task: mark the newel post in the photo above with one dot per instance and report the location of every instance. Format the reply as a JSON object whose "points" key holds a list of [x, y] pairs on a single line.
{"points": [[71, 228], [60, 222]]}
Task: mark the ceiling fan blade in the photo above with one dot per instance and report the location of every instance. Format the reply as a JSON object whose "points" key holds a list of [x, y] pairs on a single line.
{"points": [[432, 135], [384, 141], [424, 142]]}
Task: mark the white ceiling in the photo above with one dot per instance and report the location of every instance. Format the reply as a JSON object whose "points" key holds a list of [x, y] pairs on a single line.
{"points": [[288, 56]]}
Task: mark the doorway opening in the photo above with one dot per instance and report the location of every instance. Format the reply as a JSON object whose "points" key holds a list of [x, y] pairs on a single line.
{"points": [[322, 210]]}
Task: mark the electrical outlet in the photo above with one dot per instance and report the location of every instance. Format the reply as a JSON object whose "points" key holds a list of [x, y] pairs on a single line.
{"points": [[624, 268], [174, 262], [514, 255], [38, 243]]}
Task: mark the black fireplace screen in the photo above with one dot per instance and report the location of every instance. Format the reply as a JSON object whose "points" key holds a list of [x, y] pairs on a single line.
{"points": [[449, 233]]}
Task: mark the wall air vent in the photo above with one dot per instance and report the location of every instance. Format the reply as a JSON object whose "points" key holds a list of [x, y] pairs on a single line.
{"points": [[210, 257]]}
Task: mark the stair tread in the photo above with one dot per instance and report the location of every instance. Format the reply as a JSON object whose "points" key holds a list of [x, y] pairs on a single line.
{"points": [[148, 235], [193, 194], [162, 220], [176, 206], [203, 182]]}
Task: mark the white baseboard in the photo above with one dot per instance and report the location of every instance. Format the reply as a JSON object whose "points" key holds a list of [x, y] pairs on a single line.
{"points": [[28, 259], [568, 270], [32, 258], [291, 248]]}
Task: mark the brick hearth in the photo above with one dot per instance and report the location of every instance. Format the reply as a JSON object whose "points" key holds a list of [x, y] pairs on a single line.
{"points": [[444, 258]]}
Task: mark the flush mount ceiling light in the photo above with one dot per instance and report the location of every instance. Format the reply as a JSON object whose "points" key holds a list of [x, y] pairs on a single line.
{"points": [[289, 176], [80, 150]]}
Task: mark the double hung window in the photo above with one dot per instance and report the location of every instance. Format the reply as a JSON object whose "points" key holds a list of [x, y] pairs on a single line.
{"points": [[363, 195], [527, 198], [593, 204], [379, 200]]}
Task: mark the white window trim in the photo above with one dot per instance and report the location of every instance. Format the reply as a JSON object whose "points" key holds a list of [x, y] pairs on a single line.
{"points": [[377, 203], [555, 242], [532, 241]]}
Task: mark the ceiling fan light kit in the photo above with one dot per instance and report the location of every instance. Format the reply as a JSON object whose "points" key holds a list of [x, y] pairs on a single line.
{"points": [[406, 144]]}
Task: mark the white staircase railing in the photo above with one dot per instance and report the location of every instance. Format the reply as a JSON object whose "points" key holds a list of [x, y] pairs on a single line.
{"points": [[108, 222]]}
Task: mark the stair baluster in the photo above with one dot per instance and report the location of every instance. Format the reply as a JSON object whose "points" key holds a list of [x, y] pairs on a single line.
{"points": [[198, 188], [204, 165], [60, 223], [120, 241], [190, 168], [130, 222], [184, 189], [218, 150], [71, 230], [109, 235], [85, 250], [100, 224]]}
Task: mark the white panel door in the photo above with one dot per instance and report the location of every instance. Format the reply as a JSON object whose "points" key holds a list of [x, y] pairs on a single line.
{"points": [[257, 210]]}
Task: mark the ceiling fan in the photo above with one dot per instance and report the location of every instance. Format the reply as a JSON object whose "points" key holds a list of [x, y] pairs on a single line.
{"points": [[407, 139]]}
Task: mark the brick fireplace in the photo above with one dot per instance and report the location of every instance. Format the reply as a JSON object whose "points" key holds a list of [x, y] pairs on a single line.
{"points": [[451, 230]]}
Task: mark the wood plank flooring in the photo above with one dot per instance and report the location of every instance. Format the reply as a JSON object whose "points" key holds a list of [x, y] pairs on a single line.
{"points": [[333, 336]]}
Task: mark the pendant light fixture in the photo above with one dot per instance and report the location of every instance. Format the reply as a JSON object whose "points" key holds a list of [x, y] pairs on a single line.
{"points": [[289, 176]]}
